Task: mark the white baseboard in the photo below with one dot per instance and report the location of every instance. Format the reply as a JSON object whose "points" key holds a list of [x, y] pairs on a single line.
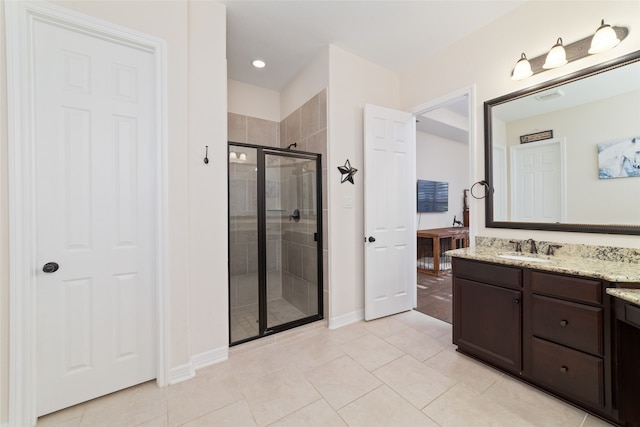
{"points": [[187, 371], [210, 357], [346, 319], [181, 373]]}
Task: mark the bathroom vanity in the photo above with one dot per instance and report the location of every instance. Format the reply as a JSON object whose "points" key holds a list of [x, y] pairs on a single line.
{"points": [[551, 322]]}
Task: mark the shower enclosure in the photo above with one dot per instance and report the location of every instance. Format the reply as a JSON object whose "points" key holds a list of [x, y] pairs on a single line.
{"points": [[275, 240]]}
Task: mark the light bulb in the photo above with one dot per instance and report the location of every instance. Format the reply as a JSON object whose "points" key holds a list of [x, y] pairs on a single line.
{"points": [[556, 56], [522, 70], [604, 39]]}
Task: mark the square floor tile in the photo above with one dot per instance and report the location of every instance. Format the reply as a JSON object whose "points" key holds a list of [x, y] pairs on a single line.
{"points": [[211, 389], [416, 344], [371, 352], [279, 394], [463, 369], [384, 326], [342, 381], [318, 414], [526, 401], [383, 407], [415, 381], [460, 406], [237, 414]]}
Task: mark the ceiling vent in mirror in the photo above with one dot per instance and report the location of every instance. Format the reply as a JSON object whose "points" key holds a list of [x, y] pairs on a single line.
{"points": [[550, 95]]}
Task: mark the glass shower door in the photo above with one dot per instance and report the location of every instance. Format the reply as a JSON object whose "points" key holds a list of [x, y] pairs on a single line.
{"points": [[292, 243], [244, 278], [275, 247]]}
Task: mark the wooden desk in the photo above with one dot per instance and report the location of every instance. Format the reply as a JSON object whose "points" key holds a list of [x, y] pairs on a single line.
{"points": [[433, 242]]}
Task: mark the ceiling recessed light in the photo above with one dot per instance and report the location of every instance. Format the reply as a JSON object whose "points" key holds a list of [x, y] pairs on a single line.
{"points": [[259, 63]]}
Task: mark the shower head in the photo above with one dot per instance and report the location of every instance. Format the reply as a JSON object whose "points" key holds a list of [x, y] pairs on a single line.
{"points": [[295, 144]]}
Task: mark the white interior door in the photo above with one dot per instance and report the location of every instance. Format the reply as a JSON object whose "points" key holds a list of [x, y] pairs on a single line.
{"points": [[95, 196], [390, 210], [537, 182]]}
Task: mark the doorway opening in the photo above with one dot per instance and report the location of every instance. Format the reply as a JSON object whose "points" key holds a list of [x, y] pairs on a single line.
{"points": [[444, 155], [275, 240]]}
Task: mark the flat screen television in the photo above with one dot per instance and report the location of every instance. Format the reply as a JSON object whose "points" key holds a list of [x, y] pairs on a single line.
{"points": [[433, 196]]}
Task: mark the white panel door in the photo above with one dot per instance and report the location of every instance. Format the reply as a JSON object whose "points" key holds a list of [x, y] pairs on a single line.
{"points": [[538, 189], [390, 210], [95, 193]]}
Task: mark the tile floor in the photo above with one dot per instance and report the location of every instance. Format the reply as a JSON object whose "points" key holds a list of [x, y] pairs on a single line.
{"points": [[397, 371]]}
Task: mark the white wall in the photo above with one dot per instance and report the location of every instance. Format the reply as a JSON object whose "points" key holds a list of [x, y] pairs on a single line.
{"points": [[353, 82], [441, 159], [195, 32], [313, 79], [4, 237], [253, 101], [486, 59]]}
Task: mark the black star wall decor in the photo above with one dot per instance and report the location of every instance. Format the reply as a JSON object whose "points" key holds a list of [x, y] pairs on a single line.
{"points": [[347, 172]]}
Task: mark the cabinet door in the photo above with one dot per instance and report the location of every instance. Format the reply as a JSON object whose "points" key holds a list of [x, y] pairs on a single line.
{"points": [[487, 323]]}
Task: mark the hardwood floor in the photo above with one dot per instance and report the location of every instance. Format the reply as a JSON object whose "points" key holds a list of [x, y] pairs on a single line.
{"points": [[435, 296]]}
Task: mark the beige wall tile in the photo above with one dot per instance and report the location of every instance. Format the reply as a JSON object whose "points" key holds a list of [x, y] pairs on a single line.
{"points": [[292, 128], [310, 117], [262, 132], [322, 109], [237, 127]]}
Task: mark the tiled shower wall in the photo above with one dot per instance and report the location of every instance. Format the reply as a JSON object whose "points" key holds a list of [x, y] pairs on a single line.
{"points": [[307, 127]]}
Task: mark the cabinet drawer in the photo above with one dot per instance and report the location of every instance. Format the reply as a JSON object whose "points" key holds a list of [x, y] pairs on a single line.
{"points": [[568, 371], [576, 325], [575, 288], [500, 275]]}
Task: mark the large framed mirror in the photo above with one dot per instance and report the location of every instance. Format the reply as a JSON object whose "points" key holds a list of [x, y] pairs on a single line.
{"points": [[565, 155]]}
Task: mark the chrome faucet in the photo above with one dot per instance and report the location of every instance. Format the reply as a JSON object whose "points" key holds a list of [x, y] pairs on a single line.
{"points": [[532, 248]]}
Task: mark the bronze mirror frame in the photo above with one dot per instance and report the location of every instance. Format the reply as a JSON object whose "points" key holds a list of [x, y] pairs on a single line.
{"points": [[488, 150]]}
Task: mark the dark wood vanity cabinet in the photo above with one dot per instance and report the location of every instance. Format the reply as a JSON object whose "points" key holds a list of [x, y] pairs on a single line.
{"points": [[627, 362], [488, 312], [548, 329], [564, 337]]}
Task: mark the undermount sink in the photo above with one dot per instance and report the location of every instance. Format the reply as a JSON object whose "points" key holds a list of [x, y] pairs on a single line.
{"points": [[522, 258]]}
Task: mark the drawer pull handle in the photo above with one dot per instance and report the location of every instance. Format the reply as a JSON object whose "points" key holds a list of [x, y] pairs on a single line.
{"points": [[564, 370], [564, 323]]}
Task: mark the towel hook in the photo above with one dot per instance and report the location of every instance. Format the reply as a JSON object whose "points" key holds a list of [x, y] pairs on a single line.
{"points": [[206, 154]]}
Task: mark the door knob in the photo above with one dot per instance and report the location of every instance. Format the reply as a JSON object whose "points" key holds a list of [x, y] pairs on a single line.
{"points": [[372, 239], [50, 267]]}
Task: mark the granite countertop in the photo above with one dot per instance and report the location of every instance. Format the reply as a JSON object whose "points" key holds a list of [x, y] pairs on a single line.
{"points": [[611, 271], [629, 295]]}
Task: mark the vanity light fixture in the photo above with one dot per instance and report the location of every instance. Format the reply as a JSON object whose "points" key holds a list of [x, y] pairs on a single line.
{"points": [[259, 63], [556, 57], [605, 38], [233, 155], [522, 70]]}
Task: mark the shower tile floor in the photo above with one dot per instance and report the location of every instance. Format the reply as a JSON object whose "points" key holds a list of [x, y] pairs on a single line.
{"points": [[244, 320]]}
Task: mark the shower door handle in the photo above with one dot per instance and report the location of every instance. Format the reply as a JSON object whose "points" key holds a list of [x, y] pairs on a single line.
{"points": [[295, 216]]}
